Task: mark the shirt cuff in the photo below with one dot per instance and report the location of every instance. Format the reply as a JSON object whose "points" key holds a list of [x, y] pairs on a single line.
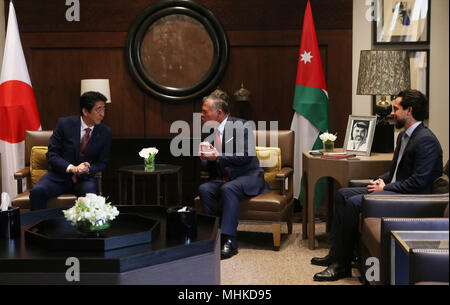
{"points": [[68, 168]]}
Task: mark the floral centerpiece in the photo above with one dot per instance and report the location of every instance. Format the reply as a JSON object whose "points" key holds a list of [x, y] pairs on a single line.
{"points": [[91, 214], [328, 140], [149, 155]]}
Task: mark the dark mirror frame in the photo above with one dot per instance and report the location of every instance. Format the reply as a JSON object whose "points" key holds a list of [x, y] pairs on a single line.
{"points": [[218, 37]]}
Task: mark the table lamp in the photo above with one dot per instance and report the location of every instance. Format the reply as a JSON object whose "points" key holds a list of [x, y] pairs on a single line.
{"points": [[99, 85], [383, 72]]}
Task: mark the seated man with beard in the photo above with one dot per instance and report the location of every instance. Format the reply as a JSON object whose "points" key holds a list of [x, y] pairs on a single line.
{"points": [[416, 164]]}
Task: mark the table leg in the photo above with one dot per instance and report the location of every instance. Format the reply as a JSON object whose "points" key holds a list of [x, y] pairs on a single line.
{"points": [[330, 204], [120, 187], [165, 189], [133, 189], [158, 189], [143, 189], [180, 188], [125, 190], [304, 206], [311, 221]]}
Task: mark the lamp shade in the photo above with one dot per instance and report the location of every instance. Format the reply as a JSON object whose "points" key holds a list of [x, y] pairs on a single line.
{"points": [[383, 72], [99, 85]]}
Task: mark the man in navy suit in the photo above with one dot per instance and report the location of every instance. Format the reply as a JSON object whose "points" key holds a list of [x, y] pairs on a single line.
{"points": [[78, 149], [230, 158], [416, 164]]}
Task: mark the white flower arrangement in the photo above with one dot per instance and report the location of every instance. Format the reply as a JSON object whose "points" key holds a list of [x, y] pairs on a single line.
{"points": [[91, 208], [328, 137], [148, 152]]}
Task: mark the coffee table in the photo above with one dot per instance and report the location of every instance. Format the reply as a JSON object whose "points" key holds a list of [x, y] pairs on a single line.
{"points": [[161, 262]]}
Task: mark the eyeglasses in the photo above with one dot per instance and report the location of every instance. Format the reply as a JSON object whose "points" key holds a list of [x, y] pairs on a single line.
{"points": [[100, 109]]}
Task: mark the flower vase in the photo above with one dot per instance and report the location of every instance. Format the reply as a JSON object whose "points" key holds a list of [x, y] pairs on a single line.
{"points": [[149, 163], [86, 227], [328, 146]]}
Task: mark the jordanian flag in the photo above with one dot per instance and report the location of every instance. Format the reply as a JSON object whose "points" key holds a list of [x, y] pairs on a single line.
{"points": [[310, 103]]}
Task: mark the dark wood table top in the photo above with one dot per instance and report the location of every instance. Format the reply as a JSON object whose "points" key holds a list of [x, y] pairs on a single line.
{"points": [[21, 256], [139, 169]]}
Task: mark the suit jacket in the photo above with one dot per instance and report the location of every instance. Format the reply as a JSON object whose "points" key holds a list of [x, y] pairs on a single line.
{"points": [[64, 147], [238, 158], [419, 166]]}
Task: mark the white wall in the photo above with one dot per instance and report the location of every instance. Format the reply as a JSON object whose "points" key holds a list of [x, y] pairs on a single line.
{"points": [[439, 73], [439, 65], [2, 31]]}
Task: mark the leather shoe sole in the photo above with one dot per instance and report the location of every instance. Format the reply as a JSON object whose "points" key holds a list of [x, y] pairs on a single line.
{"points": [[323, 261], [333, 273]]}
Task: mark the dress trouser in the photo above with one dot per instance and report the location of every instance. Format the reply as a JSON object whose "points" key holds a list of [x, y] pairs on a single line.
{"points": [[52, 185], [222, 199], [344, 229]]}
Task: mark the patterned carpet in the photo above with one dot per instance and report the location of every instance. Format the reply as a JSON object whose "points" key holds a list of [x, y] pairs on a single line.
{"points": [[258, 264]]}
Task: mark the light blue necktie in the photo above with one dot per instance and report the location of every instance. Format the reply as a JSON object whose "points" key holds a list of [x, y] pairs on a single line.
{"points": [[403, 144]]}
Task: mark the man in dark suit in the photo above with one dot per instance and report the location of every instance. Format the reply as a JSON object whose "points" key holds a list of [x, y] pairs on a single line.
{"points": [[230, 158], [416, 164], [78, 149]]}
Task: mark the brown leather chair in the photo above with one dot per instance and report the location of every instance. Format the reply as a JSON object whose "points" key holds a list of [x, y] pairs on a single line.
{"points": [[276, 206], [22, 200]]}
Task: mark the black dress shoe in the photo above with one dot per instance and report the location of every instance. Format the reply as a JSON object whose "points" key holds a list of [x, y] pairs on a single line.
{"points": [[323, 261], [228, 250], [334, 272]]}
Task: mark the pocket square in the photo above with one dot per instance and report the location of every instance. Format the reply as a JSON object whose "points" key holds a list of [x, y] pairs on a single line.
{"points": [[229, 140]]}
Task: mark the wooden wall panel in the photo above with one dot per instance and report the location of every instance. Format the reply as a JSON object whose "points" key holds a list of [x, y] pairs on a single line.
{"points": [[264, 38]]}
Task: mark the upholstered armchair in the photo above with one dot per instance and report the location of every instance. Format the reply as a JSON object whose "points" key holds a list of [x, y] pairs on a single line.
{"points": [[428, 266], [382, 214], [36, 146], [276, 206]]}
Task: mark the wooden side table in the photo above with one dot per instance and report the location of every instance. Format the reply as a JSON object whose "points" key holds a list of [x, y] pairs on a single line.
{"points": [[139, 170], [342, 170]]}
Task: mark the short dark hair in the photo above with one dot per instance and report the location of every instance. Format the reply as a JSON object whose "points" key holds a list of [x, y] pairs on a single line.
{"points": [[89, 99], [415, 99], [220, 100]]}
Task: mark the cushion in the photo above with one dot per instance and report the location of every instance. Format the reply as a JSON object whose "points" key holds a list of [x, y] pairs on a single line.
{"points": [[270, 160], [440, 185], [38, 163]]}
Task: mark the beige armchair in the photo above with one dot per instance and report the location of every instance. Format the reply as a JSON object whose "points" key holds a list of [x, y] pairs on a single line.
{"points": [[22, 200]]}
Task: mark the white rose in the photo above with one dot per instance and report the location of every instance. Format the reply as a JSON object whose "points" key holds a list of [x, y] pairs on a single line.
{"points": [[146, 152]]}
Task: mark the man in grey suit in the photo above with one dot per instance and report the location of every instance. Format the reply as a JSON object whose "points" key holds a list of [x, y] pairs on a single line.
{"points": [[416, 164]]}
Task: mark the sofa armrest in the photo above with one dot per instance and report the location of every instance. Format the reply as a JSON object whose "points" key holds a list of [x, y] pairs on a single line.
{"points": [[405, 224], [428, 265], [22, 174], [284, 173], [281, 176], [429, 205], [19, 175], [358, 182]]}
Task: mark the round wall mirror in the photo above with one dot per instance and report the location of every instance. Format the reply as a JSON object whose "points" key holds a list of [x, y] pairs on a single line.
{"points": [[177, 51]]}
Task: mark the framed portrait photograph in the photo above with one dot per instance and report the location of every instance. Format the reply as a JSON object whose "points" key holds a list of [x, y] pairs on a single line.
{"points": [[401, 21], [359, 135], [419, 75]]}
